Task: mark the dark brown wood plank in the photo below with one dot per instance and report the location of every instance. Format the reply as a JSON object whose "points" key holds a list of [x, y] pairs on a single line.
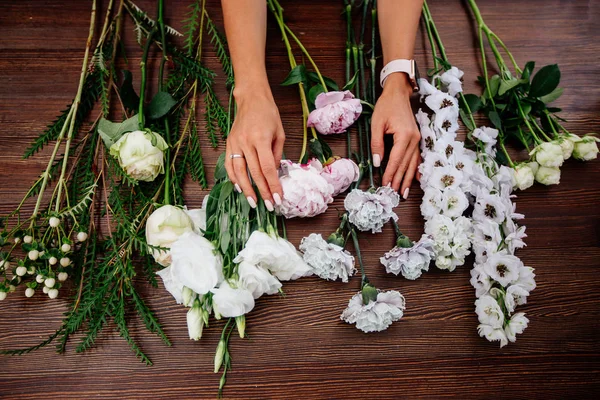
{"points": [[298, 347]]}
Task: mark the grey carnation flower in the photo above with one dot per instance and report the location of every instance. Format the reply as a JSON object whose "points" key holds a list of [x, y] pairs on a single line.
{"points": [[370, 210], [327, 260]]}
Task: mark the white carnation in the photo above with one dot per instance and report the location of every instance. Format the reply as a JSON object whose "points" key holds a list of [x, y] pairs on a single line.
{"points": [[327, 260], [376, 316], [410, 261], [370, 210]]}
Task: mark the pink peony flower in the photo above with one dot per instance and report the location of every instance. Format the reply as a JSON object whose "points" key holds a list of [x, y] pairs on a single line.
{"points": [[305, 192], [334, 112], [340, 173]]}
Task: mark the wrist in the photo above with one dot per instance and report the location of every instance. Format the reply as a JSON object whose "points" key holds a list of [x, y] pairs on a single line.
{"points": [[252, 87], [398, 82]]}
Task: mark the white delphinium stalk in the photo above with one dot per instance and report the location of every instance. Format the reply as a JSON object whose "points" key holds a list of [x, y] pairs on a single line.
{"points": [[446, 171]]}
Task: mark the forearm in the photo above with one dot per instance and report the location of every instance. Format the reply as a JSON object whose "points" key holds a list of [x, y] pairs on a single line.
{"points": [[246, 30]]}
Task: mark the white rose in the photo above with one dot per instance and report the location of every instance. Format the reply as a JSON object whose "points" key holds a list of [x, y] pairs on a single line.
{"points": [[524, 176], [548, 175], [586, 148], [275, 254], [567, 147], [549, 154], [196, 263], [231, 301], [164, 226], [257, 280], [138, 157]]}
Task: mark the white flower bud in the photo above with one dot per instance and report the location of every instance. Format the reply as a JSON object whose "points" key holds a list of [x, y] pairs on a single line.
{"points": [[219, 355], [54, 222], [40, 278], [65, 261], [42, 253], [524, 176], [27, 239], [548, 176], [50, 282], [52, 260], [33, 255], [586, 149], [82, 236], [17, 240], [4, 264], [548, 154], [21, 271], [29, 292], [62, 276], [567, 148], [65, 248], [11, 289], [31, 270], [3, 295], [45, 289], [53, 293], [188, 296]]}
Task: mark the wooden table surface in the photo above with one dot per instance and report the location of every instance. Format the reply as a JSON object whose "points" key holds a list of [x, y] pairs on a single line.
{"points": [[298, 347]]}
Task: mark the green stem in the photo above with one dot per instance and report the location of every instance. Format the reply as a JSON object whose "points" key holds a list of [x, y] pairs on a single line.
{"points": [[314, 65], [358, 255], [348, 13], [510, 161], [142, 123], [428, 26], [161, 26]]}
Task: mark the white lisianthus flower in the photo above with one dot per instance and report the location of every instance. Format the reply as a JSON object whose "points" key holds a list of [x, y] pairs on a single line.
{"points": [[548, 154], [524, 176], [370, 210], [198, 217], [327, 260], [141, 154], [488, 136], [196, 263], [232, 301], [452, 81], [548, 175], [275, 254], [503, 268], [378, 314], [257, 280], [195, 322], [585, 148], [410, 261], [489, 312], [305, 192], [172, 284], [516, 326], [164, 226]]}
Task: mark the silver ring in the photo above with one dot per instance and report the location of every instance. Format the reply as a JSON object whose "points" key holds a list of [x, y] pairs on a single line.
{"points": [[232, 156]]}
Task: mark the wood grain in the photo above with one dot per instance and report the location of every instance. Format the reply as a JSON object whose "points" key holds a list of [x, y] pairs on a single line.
{"points": [[298, 347]]}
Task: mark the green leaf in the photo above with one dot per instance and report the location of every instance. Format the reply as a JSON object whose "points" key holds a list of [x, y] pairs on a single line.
{"points": [[225, 239], [130, 99], [226, 191], [220, 171], [550, 97], [316, 149], [526, 107], [330, 83], [296, 75], [527, 70], [493, 88], [466, 120], [545, 81], [505, 86], [350, 84], [313, 93], [473, 101], [160, 105], [111, 132], [495, 119]]}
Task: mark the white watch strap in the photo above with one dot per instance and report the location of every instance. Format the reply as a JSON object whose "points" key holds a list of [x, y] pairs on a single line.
{"points": [[397, 66]]}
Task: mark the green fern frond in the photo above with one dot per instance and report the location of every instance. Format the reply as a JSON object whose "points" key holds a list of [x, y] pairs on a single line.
{"points": [[195, 162], [220, 45], [82, 205], [191, 26]]}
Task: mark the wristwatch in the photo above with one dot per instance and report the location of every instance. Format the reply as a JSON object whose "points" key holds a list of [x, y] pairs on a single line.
{"points": [[409, 67]]}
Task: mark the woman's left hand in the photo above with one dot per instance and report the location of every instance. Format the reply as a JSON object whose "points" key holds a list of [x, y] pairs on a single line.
{"points": [[393, 116]]}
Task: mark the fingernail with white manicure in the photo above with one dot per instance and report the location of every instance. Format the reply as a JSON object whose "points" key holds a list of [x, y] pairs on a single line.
{"points": [[277, 199], [269, 205], [238, 188], [376, 160], [405, 195], [251, 202]]}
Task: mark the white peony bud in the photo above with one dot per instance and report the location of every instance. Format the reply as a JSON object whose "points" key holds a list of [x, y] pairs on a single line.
{"points": [[549, 154], [40, 278], [50, 282], [29, 292], [54, 222], [52, 260], [53, 293], [45, 289], [33, 255], [586, 148], [65, 247], [3, 295], [62, 276], [27, 239], [548, 176], [65, 261], [82, 237], [138, 156], [524, 176], [21, 271]]}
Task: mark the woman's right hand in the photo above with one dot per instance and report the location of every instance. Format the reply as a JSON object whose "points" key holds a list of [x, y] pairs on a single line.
{"points": [[257, 135]]}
